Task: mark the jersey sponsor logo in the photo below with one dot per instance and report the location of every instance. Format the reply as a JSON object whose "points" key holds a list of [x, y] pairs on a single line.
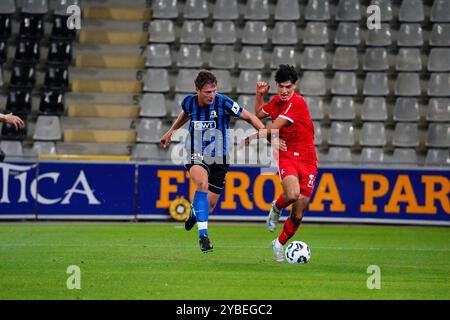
{"points": [[283, 171], [201, 125]]}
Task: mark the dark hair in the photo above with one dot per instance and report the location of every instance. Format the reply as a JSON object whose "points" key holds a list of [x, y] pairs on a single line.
{"points": [[285, 73], [205, 77]]}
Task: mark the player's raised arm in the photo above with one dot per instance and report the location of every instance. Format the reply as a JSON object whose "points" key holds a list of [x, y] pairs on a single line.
{"points": [[261, 89], [179, 122]]}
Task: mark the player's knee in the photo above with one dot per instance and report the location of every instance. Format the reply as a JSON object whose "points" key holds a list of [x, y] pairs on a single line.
{"points": [[292, 196], [202, 186]]}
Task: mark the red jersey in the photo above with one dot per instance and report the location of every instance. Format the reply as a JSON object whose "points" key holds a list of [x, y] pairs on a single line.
{"points": [[299, 133]]}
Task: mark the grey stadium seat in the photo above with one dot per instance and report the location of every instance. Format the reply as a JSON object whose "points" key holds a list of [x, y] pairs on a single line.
{"points": [[247, 81], [410, 35], [372, 155], [373, 134], [379, 37], [287, 10], [315, 107], [255, 33], [7, 7], [376, 84], [246, 101], [409, 60], [162, 31], [150, 130], [317, 10], [408, 84], [158, 55], [347, 34], [440, 11], [193, 31], [222, 57], [440, 35], [314, 58], [439, 85], [224, 84], [439, 60], [165, 9], [406, 109], [316, 33], [257, 10], [223, 32], [438, 135], [47, 128], [374, 109], [342, 108], [185, 80], [285, 33], [345, 59], [411, 11], [282, 55], [339, 154], [341, 134], [156, 80], [11, 148], [251, 57], [404, 156], [385, 6], [35, 6], [437, 157], [153, 105], [313, 83], [189, 56], [196, 9], [344, 83], [375, 59], [225, 10], [405, 135], [438, 110], [348, 10], [318, 138], [62, 5], [175, 106], [44, 147]]}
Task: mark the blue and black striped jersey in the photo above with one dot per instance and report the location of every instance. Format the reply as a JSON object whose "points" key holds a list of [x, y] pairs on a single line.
{"points": [[209, 123]]}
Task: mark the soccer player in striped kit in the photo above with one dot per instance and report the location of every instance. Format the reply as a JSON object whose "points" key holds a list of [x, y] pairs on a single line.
{"points": [[209, 113]]}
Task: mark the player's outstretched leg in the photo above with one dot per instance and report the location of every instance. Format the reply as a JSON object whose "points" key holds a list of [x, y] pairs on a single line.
{"points": [[290, 227], [201, 208], [291, 192], [273, 217], [191, 219]]}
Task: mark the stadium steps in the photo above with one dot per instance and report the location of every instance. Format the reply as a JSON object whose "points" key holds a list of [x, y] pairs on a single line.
{"points": [[79, 148], [114, 37], [108, 61], [100, 136], [98, 130], [107, 86], [130, 14], [103, 111], [99, 98]]}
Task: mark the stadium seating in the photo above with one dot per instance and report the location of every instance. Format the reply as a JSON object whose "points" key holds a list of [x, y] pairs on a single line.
{"points": [[376, 96]]}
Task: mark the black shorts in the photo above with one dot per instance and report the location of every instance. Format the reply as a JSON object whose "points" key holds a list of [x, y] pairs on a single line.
{"points": [[216, 174]]}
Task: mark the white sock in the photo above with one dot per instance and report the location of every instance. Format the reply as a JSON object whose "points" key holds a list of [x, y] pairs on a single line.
{"points": [[278, 245]]}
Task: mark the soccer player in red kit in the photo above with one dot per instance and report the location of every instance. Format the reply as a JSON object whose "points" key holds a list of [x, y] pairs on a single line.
{"points": [[297, 166]]}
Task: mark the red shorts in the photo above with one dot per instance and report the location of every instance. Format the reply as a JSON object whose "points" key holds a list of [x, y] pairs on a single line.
{"points": [[305, 172]]}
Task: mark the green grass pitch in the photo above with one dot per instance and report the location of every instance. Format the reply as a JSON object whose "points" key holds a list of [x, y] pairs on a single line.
{"points": [[163, 261]]}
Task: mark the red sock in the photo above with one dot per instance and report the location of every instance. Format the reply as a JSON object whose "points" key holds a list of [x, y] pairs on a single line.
{"points": [[280, 204], [288, 231]]}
